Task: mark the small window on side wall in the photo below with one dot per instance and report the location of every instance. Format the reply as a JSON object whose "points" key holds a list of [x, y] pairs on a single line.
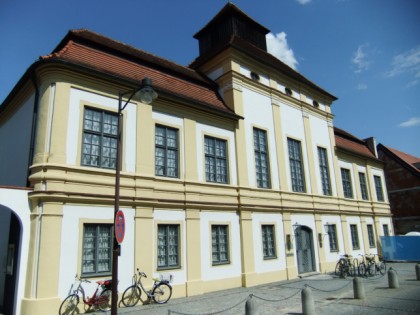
{"points": [[288, 91]]}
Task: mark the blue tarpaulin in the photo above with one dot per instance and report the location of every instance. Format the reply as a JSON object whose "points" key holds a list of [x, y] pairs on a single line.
{"points": [[405, 248]]}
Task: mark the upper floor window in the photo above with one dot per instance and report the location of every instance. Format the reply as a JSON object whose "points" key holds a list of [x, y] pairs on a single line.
{"points": [[166, 151], [363, 186], [296, 165], [386, 229], [220, 244], [100, 129], [378, 188], [371, 235], [325, 173], [168, 246], [346, 180], [97, 249], [332, 236], [261, 158], [354, 236], [216, 160], [268, 241]]}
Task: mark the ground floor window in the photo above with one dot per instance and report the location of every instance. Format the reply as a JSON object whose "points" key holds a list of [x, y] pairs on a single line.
{"points": [[332, 236], [354, 236], [371, 236], [168, 246], [220, 244], [97, 249], [268, 240]]}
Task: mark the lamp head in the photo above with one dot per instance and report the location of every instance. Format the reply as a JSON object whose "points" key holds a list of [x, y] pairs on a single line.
{"points": [[146, 93]]}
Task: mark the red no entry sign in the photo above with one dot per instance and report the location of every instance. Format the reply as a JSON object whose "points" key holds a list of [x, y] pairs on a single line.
{"points": [[119, 226]]}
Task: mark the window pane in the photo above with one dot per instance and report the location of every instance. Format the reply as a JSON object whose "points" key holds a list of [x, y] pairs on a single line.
{"points": [[215, 160], [268, 241], [363, 187], [97, 243], [261, 158], [346, 181], [220, 245], [332, 236], [99, 139], [168, 245], [166, 151], [378, 188], [296, 166], [324, 169]]}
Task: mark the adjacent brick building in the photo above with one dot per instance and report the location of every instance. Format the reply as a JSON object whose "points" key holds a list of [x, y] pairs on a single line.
{"points": [[402, 173]]}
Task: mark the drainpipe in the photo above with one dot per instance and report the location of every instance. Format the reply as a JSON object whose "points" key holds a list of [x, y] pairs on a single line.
{"points": [[34, 127]]}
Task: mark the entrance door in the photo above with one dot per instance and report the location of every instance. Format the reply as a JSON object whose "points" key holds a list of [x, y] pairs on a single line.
{"points": [[304, 249], [9, 249]]}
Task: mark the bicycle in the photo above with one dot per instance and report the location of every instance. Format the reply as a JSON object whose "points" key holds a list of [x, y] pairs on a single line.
{"points": [[376, 266], [363, 266], [99, 300], [345, 266], [160, 292]]}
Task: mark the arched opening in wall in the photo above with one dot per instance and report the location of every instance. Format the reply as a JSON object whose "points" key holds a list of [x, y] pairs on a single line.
{"points": [[10, 247], [305, 253]]}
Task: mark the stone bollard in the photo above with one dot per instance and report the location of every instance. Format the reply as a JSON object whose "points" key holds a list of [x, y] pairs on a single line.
{"points": [[418, 272], [393, 279], [251, 307], [308, 307], [358, 288]]}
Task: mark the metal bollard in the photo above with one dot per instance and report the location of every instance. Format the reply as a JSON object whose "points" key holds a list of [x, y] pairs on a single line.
{"points": [[251, 307], [308, 307], [358, 288], [418, 272], [393, 279]]}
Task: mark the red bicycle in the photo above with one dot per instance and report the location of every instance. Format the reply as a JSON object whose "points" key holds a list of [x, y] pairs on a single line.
{"points": [[101, 299]]}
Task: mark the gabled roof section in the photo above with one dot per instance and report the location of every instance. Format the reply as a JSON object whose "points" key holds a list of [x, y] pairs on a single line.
{"points": [[410, 162], [347, 142], [264, 58], [92, 51]]}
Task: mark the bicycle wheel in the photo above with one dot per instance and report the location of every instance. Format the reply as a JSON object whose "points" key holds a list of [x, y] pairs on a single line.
{"points": [[371, 268], [69, 305], [362, 269], [162, 293], [338, 267], [352, 270], [104, 300], [382, 268], [131, 296], [344, 271]]}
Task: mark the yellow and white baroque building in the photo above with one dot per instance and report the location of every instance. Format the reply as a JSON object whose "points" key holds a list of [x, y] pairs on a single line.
{"points": [[221, 218]]}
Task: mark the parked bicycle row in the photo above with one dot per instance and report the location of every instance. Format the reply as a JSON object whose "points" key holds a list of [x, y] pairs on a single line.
{"points": [[160, 293], [366, 265]]}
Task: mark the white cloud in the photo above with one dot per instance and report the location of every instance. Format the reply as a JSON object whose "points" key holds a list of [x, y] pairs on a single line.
{"points": [[360, 59], [361, 86], [407, 63], [303, 1], [277, 46], [413, 121]]}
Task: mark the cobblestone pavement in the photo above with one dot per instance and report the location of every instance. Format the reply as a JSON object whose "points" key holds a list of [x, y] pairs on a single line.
{"points": [[331, 295]]}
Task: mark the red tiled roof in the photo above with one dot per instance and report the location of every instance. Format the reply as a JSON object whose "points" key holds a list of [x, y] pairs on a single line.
{"points": [[97, 52], [411, 162], [409, 159], [348, 142]]}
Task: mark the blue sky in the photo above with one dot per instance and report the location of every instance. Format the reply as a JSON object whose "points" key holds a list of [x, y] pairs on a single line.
{"points": [[365, 52]]}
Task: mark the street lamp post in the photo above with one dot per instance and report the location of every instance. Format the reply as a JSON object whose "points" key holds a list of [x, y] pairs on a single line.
{"points": [[147, 95]]}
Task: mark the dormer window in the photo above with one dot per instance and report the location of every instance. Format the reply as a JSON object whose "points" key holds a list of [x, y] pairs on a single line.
{"points": [[289, 91], [315, 104], [255, 76]]}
